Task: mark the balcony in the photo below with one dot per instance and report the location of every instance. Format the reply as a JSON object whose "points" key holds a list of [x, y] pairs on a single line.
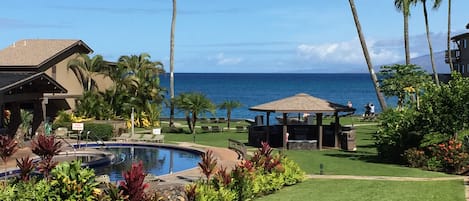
{"points": [[455, 55]]}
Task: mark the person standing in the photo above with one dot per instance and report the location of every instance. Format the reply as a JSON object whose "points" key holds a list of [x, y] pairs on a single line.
{"points": [[372, 109]]}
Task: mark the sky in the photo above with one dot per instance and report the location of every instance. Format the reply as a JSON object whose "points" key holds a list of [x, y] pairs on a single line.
{"points": [[242, 36]]}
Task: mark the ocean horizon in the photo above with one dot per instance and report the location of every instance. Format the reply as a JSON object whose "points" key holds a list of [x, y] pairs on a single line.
{"points": [[252, 89]]}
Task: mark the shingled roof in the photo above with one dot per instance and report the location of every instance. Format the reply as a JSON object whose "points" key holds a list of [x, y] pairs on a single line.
{"points": [[39, 53]]}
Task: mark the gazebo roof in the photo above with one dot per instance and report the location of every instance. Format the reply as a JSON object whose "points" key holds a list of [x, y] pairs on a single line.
{"points": [[301, 103]]}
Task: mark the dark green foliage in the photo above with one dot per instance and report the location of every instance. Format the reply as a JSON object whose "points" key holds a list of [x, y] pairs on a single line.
{"points": [[98, 131], [398, 131]]}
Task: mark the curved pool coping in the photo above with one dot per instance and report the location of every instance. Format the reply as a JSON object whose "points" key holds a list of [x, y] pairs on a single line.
{"points": [[113, 144]]}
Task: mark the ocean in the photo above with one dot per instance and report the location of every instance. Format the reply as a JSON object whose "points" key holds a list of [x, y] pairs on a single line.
{"points": [[252, 89]]}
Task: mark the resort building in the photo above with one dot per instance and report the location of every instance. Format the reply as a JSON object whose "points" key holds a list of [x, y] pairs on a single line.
{"points": [[34, 76], [460, 55]]}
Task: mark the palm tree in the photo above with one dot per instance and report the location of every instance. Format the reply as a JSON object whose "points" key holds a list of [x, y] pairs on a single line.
{"points": [[229, 105], [85, 68], [404, 7], [194, 104], [380, 96], [171, 66], [448, 39], [436, 4]]}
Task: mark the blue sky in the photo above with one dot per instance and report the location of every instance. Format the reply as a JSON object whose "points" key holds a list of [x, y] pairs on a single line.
{"points": [[234, 36]]}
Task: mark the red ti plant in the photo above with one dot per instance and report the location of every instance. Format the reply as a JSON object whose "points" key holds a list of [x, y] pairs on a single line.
{"points": [[46, 147], [208, 164], [191, 191], [26, 166], [8, 146], [263, 158], [133, 185], [223, 176]]}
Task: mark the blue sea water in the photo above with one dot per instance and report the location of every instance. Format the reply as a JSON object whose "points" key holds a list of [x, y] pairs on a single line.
{"points": [[252, 89]]}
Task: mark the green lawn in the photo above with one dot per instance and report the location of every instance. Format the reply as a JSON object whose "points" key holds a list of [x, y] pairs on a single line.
{"points": [[363, 162], [361, 190]]}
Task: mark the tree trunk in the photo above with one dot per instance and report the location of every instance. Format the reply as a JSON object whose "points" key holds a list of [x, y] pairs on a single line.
{"points": [[406, 32], [380, 96], [432, 59], [171, 66], [228, 116], [451, 67]]}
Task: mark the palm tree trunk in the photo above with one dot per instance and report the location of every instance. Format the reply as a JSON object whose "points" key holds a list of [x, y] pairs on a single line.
{"points": [[432, 59], [228, 114], [171, 66], [380, 96], [451, 67], [406, 32]]}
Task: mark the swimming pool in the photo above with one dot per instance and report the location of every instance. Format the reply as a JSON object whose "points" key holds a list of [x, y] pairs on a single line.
{"points": [[157, 159]]}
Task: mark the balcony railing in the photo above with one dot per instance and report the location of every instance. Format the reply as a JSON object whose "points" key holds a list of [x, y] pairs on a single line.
{"points": [[455, 55]]}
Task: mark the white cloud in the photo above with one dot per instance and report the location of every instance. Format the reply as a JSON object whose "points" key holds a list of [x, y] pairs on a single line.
{"points": [[221, 59], [348, 52]]}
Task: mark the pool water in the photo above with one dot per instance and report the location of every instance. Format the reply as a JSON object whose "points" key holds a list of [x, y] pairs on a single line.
{"points": [[156, 161]]}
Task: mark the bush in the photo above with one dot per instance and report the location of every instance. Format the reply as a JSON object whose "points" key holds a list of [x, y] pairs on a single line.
{"points": [[415, 158], [98, 131], [452, 156]]}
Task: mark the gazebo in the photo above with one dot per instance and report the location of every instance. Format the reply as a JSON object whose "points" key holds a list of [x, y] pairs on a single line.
{"points": [[303, 103]]}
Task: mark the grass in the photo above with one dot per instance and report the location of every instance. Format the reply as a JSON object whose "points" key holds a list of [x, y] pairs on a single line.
{"points": [[363, 162], [363, 190]]}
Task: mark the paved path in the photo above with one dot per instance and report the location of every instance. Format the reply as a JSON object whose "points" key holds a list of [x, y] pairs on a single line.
{"points": [[385, 178]]}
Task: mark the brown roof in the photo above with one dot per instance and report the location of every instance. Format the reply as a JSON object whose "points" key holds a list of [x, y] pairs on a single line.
{"points": [[301, 103], [23, 82], [36, 52], [460, 36]]}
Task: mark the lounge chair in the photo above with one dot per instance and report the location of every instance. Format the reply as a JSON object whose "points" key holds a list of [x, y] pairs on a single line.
{"points": [[152, 138], [239, 129], [61, 132], [216, 129], [122, 137], [136, 137], [213, 120], [221, 120], [205, 129]]}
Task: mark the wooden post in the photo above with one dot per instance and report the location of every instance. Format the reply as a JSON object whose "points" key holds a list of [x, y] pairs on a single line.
{"points": [[284, 131], [267, 137], [336, 129], [319, 123]]}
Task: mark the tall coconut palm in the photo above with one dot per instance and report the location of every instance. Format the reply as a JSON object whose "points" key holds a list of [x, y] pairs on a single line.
{"points": [[436, 4], [379, 95], [85, 68], [229, 105], [171, 66], [404, 7], [448, 39]]}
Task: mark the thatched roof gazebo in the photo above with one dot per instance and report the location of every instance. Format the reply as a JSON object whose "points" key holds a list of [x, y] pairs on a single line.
{"points": [[302, 103]]}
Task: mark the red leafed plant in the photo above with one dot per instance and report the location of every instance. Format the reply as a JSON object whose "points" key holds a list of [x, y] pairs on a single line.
{"points": [[191, 192], [263, 158], [46, 148], [223, 176], [26, 166], [133, 185], [8, 146], [208, 164]]}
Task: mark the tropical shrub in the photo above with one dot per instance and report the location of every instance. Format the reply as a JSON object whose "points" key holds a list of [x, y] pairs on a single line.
{"points": [[452, 156], [133, 185], [46, 147], [263, 174], [398, 131], [98, 131], [72, 182], [26, 167], [8, 146], [415, 158]]}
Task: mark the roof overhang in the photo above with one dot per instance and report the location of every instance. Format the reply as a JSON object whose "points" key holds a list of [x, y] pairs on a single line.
{"points": [[30, 83]]}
